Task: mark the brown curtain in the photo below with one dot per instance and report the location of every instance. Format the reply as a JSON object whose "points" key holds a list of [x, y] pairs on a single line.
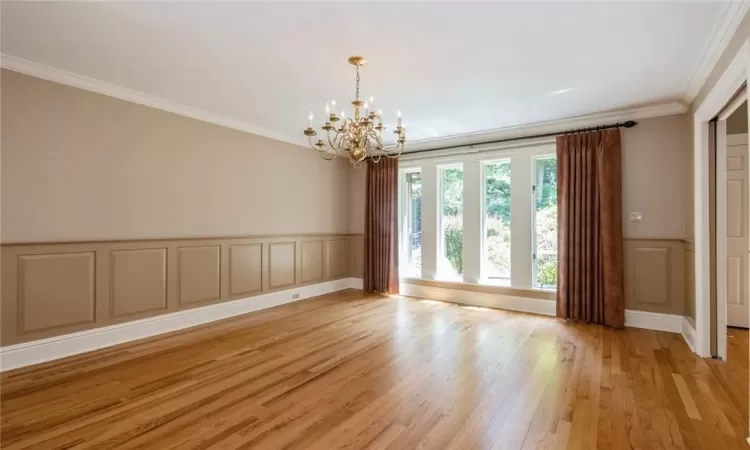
{"points": [[589, 228], [381, 225]]}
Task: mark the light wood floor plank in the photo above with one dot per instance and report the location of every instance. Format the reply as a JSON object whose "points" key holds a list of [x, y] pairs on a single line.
{"points": [[355, 371]]}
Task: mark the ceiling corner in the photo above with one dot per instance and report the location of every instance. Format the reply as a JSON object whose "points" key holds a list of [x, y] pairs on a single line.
{"points": [[729, 18]]}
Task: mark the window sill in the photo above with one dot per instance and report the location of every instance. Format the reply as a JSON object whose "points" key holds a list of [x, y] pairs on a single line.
{"points": [[536, 293]]}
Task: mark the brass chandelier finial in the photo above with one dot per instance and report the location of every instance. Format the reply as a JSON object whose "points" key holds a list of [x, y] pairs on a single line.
{"points": [[359, 137]]}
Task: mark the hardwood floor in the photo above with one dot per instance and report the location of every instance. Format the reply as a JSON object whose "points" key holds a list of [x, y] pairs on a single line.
{"points": [[353, 371]]}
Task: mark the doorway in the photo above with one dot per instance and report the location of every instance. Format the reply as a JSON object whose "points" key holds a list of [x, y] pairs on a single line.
{"points": [[732, 225]]}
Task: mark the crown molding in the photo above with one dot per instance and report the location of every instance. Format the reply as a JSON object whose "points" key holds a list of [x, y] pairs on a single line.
{"points": [[553, 126], [729, 18], [129, 95]]}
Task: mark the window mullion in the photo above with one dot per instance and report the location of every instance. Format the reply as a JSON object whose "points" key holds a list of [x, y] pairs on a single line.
{"points": [[472, 221], [521, 201]]}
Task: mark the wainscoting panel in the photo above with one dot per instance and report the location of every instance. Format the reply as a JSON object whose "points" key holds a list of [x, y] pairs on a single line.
{"points": [[54, 289], [200, 274], [357, 262], [651, 274], [655, 275], [311, 270], [282, 264], [337, 260], [138, 281], [245, 269]]}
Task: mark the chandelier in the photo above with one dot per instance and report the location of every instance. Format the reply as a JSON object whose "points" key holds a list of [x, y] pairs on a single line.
{"points": [[358, 137]]}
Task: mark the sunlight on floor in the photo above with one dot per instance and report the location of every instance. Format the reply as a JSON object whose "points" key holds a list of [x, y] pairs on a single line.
{"points": [[431, 302], [476, 308]]}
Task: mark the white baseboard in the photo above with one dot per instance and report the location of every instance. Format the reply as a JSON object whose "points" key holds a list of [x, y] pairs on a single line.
{"points": [[29, 353], [688, 332], [635, 319], [653, 321]]}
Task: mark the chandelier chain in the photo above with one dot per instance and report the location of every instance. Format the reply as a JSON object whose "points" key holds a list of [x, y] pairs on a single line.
{"points": [[357, 96]]}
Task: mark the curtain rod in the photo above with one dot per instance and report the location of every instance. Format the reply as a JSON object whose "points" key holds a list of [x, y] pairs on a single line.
{"points": [[627, 124]]}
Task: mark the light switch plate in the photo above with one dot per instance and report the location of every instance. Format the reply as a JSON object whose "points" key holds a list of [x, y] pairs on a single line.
{"points": [[636, 216]]}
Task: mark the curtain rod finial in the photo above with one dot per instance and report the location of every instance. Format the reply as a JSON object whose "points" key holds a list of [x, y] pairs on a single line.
{"points": [[630, 124]]}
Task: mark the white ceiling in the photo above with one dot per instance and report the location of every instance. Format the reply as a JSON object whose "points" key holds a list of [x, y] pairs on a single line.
{"points": [[453, 68]]}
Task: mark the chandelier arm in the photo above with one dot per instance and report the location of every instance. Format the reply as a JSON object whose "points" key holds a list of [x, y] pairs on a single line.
{"points": [[394, 155], [392, 148], [315, 147], [338, 141], [331, 143], [334, 155], [376, 143]]}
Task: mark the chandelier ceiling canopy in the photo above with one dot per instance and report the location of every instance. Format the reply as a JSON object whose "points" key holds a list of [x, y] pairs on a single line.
{"points": [[358, 137]]}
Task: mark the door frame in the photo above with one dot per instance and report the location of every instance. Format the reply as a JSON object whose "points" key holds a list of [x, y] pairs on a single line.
{"points": [[737, 73]]}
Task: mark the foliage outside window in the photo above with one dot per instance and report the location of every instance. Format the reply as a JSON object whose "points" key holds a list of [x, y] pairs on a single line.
{"points": [[451, 264], [545, 226], [497, 228], [412, 267]]}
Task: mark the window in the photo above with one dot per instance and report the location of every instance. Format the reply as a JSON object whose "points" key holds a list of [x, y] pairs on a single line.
{"points": [[545, 222], [411, 224], [496, 245], [450, 263], [490, 217]]}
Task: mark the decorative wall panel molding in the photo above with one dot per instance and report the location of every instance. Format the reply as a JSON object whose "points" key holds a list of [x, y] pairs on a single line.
{"points": [[337, 260], [54, 289], [655, 275], [138, 280], [282, 264], [312, 261], [200, 274], [245, 269]]}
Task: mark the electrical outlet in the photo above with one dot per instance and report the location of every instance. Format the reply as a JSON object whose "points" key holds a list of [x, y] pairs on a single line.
{"points": [[295, 296], [636, 216]]}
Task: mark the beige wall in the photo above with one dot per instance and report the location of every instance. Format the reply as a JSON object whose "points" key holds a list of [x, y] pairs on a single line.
{"points": [[357, 185], [737, 122], [82, 166], [656, 156]]}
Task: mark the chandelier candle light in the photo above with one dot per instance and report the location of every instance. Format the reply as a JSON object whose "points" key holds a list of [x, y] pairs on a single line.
{"points": [[359, 137]]}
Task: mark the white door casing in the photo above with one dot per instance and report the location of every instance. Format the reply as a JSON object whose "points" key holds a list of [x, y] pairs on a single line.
{"points": [[719, 95], [737, 231]]}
